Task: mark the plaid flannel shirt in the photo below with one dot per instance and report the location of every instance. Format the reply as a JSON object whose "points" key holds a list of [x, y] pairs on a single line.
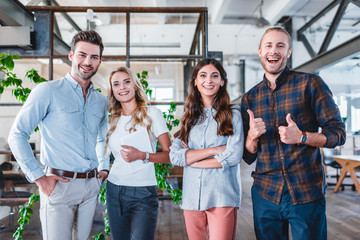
{"points": [[309, 101]]}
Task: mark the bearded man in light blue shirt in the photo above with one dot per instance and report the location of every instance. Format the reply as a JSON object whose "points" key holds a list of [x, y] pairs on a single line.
{"points": [[72, 119]]}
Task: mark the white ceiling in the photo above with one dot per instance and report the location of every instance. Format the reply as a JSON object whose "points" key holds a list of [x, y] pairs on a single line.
{"points": [[232, 29], [231, 23]]}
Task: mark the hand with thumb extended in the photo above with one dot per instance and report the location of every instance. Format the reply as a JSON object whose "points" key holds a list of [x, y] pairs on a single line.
{"points": [[257, 126], [289, 120], [290, 134]]}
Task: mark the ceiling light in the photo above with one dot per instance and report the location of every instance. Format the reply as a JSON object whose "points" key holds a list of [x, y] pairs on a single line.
{"points": [[262, 22]]}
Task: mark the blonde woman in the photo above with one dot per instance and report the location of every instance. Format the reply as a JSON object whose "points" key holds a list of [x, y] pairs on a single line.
{"points": [[132, 199]]}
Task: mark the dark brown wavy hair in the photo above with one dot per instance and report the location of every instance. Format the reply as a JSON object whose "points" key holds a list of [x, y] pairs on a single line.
{"points": [[194, 106]]}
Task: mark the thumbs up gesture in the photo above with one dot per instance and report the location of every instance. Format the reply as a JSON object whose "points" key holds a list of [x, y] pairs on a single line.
{"points": [[257, 126], [290, 134]]}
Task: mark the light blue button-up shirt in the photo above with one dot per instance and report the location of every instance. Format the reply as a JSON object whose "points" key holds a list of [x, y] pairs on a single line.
{"points": [[72, 130], [218, 187]]}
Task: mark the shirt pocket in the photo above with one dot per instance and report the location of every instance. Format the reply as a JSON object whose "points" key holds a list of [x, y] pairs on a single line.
{"points": [[295, 106], [94, 119], [68, 115]]}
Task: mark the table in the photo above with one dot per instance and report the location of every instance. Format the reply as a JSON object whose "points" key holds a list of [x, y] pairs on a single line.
{"points": [[12, 177], [348, 164]]}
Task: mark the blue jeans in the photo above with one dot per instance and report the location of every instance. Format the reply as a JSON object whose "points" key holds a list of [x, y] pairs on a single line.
{"points": [[271, 221], [132, 211]]}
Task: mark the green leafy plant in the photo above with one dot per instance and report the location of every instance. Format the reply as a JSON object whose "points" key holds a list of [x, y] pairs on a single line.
{"points": [[142, 77], [163, 170], [20, 93], [25, 214], [102, 199], [7, 65]]}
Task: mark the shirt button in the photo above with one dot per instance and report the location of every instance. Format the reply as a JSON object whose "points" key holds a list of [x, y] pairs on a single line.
{"points": [[284, 174], [282, 158]]}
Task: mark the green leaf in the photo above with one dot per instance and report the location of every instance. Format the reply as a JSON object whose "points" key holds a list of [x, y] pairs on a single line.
{"points": [[34, 76], [27, 91], [176, 122], [7, 82], [173, 106], [17, 82], [8, 62]]}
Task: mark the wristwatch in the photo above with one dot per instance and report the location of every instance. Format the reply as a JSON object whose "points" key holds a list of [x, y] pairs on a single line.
{"points": [[303, 138], [147, 157]]}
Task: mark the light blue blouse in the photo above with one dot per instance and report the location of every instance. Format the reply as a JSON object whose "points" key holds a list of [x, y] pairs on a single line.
{"points": [[219, 187]]}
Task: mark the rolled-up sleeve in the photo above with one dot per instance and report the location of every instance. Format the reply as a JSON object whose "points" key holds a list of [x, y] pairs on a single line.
{"points": [[102, 155], [177, 154], [235, 144]]}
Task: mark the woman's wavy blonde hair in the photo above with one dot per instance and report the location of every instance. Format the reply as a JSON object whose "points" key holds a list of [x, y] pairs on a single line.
{"points": [[115, 109]]}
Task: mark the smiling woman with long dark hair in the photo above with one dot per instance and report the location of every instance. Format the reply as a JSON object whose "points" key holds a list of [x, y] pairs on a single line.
{"points": [[209, 146]]}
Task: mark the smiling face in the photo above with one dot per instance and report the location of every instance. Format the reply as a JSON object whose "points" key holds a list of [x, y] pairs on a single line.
{"points": [[274, 52], [85, 60], [123, 87], [208, 81]]}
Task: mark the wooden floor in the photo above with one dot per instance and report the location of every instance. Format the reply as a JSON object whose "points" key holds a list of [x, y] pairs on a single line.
{"points": [[343, 216]]}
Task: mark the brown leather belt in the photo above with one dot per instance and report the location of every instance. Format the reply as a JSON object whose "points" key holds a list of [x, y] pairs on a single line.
{"points": [[63, 173]]}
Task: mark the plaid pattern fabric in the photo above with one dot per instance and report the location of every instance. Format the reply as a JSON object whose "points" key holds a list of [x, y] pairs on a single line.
{"points": [[309, 101]]}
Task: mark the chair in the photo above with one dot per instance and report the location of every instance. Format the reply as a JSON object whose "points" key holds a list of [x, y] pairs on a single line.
{"points": [[11, 199], [328, 160]]}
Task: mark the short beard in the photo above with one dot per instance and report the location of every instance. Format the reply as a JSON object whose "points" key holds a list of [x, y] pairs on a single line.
{"points": [[86, 76]]}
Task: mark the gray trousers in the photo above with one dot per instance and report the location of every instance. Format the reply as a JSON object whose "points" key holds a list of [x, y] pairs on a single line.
{"points": [[68, 212]]}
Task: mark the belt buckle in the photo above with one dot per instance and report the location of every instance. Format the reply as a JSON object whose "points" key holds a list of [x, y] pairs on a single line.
{"points": [[87, 173]]}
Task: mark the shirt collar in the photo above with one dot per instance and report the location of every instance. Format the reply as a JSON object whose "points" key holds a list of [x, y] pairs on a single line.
{"points": [[281, 78], [74, 84], [209, 110]]}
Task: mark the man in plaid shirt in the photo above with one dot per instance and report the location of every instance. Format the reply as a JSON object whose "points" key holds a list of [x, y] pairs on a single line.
{"points": [[282, 116]]}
